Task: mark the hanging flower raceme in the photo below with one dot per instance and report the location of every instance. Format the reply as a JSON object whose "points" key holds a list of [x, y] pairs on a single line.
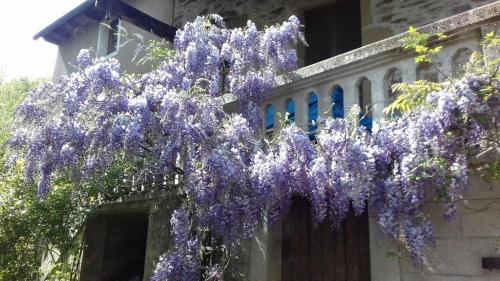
{"points": [[171, 124]]}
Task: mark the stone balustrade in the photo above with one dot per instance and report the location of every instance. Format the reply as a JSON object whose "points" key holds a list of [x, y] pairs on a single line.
{"points": [[365, 75]]}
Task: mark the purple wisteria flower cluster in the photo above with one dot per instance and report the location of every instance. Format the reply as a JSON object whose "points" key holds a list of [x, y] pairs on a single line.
{"points": [[180, 263], [171, 123]]}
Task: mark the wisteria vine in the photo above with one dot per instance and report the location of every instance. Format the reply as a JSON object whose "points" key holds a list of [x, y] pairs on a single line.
{"points": [[171, 125]]}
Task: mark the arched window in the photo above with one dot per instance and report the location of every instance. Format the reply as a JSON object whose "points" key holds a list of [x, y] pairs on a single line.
{"points": [[365, 103], [313, 115], [393, 76], [338, 102], [290, 110], [425, 71], [459, 59], [269, 122]]}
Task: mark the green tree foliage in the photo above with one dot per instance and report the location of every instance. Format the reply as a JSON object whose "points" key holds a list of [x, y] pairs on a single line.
{"points": [[413, 95], [11, 95], [31, 229]]}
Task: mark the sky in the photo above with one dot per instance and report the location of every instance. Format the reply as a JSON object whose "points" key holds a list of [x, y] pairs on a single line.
{"points": [[20, 20]]}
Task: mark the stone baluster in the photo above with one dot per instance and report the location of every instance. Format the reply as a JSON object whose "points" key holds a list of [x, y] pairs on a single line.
{"points": [[378, 96], [279, 113], [301, 109], [444, 66], [324, 101], [409, 71], [351, 93]]}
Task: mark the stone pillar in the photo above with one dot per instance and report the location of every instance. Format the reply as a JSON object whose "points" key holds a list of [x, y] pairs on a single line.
{"points": [[324, 101], [378, 97], [279, 113], [158, 241], [351, 94], [409, 71], [265, 258], [301, 109], [490, 53], [384, 257]]}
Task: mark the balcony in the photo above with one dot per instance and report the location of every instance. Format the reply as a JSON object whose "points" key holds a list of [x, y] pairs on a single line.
{"points": [[364, 76]]}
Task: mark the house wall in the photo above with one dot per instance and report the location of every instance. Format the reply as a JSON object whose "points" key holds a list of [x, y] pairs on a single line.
{"points": [[159, 9], [379, 18], [87, 38], [461, 243], [83, 37], [127, 52], [385, 18], [159, 211]]}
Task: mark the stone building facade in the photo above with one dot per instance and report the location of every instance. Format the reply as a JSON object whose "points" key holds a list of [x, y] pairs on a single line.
{"points": [[362, 58]]}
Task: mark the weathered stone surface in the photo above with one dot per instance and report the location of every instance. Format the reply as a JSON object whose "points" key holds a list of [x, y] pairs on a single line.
{"points": [[237, 272], [479, 188], [383, 255], [459, 257], [389, 16], [390, 46], [159, 229], [480, 218], [432, 277], [374, 33], [443, 228], [486, 276], [417, 12]]}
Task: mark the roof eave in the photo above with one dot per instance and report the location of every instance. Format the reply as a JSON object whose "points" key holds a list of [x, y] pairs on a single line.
{"points": [[82, 8], [97, 10]]}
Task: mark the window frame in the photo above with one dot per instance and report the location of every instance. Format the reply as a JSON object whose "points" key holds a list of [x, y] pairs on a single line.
{"points": [[105, 36]]}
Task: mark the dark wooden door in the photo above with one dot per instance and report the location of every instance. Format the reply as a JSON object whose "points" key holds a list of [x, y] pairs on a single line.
{"points": [[320, 254], [115, 248], [332, 30]]}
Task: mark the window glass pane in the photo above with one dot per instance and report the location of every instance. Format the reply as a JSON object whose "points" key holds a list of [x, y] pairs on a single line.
{"points": [[290, 109], [394, 76], [113, 37], [365, 103], [269, 117], [313, 115], [338, 102]]}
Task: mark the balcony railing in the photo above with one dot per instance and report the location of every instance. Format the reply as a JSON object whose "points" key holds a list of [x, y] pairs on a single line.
{"points": [[364, 76]]}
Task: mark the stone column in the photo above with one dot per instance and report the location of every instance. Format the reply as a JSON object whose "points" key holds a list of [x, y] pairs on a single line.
{"points": [[378, 97], [490, 53], [301, 109], [409, 71], [159, 240], [324, 101], [351, 94]]}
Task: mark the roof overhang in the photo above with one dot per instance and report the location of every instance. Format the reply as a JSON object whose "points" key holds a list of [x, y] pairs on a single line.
{"points": [[98, 10]]}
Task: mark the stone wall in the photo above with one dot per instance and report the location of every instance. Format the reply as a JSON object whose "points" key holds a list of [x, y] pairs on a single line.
{"points": [[82, 37], [463, 242], [460, 245], [390, 17], [162, 10], [87, 38], [379, 18], [260, 11]]}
